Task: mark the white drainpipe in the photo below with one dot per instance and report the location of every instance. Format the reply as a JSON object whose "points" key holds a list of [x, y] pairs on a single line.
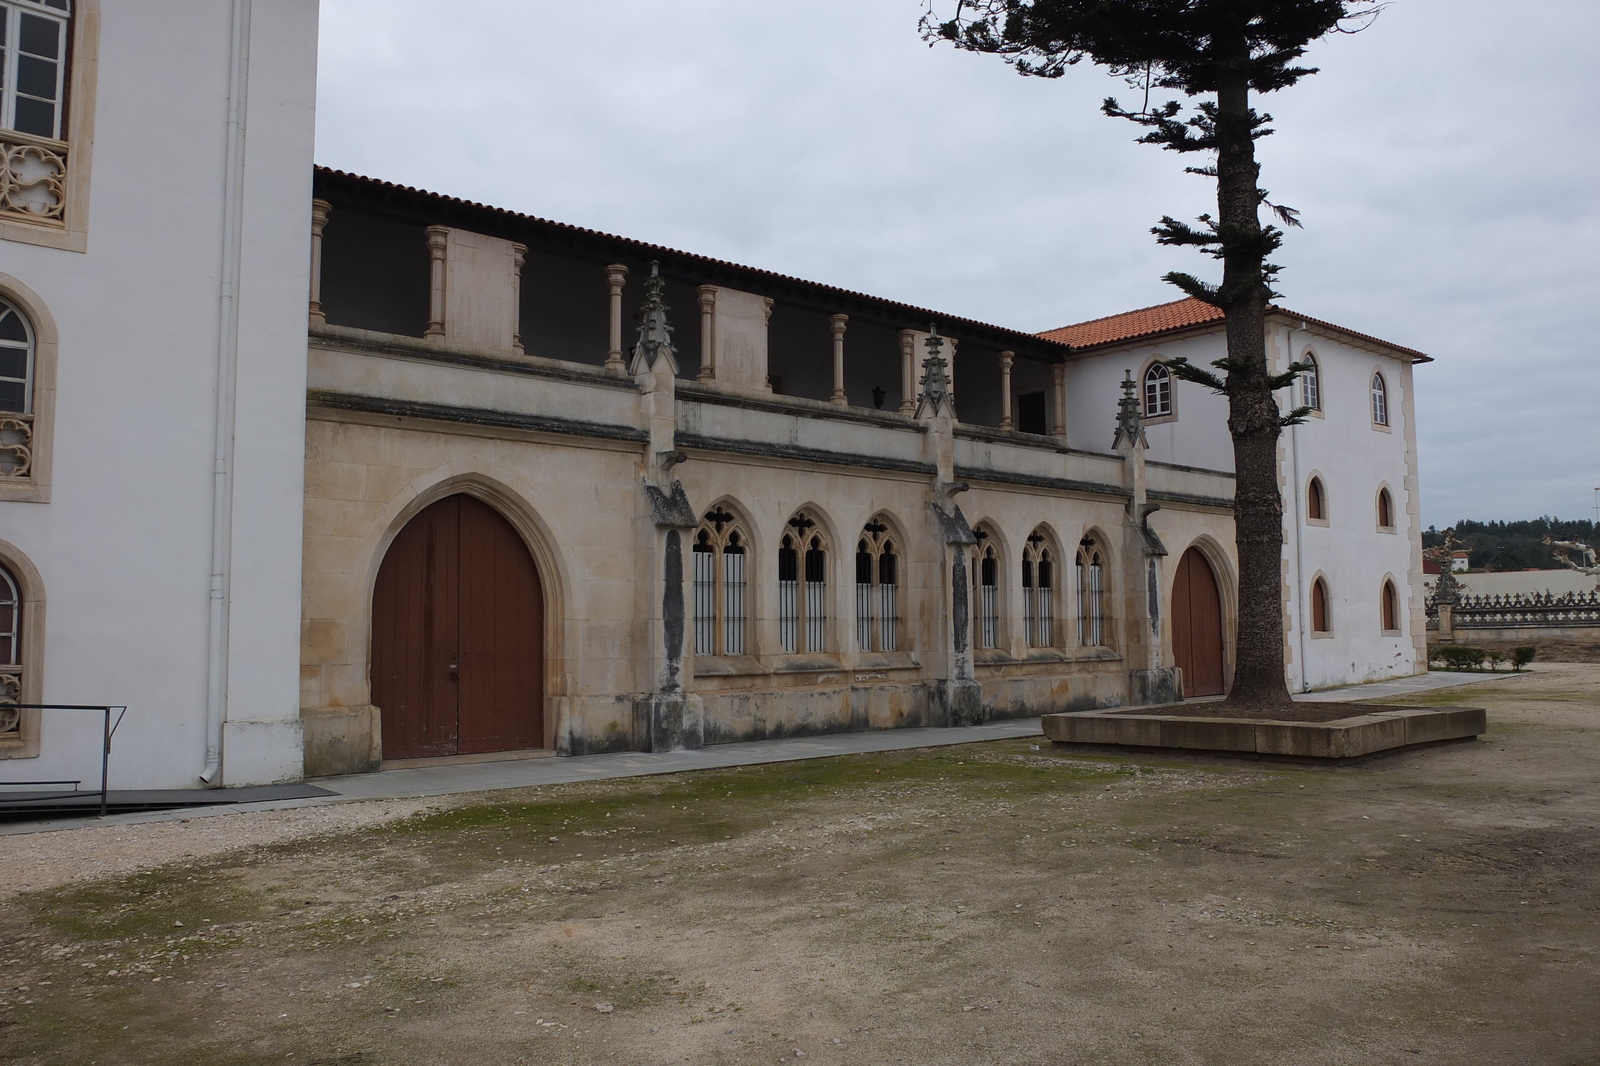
{"points": [[227, 370]]}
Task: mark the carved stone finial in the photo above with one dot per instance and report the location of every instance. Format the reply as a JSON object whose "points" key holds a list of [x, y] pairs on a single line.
{"points": [[935, 377], [655, 332], [1130, 418]]}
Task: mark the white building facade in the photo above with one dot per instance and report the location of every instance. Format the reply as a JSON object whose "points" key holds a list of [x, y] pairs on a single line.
{"points": [[316, 473]]}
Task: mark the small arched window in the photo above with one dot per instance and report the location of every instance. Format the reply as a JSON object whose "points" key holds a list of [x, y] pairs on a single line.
{"points": [[802, 587], [1091, 594], [1380, 400], [1316, 501], [877, 589], [1311, 383], [1391, 608], [719, 585], [1319, 607], [1385, 510], [1038, 591], [10, 656], [1157, 391], [33, 36]]}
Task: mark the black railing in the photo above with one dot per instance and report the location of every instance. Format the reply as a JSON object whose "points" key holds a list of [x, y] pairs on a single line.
{"points": [[107, 731]]}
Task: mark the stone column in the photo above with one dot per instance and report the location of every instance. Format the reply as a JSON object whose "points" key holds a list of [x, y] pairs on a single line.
{"points": [[908, 371], [438, 244], [519, 257], [1006, 359], [1058, 397], [837, 324], [616, 275], [707, 295], [319, 222]]}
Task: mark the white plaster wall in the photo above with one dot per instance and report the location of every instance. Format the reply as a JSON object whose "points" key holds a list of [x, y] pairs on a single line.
{"points": [[1197, 436], [123, 546], [1353, 458]]}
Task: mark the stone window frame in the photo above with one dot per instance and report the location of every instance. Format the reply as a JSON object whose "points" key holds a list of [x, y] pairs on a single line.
{"points": [[1170, 414], [1311, 391], [1389, 607], [1317, 505], [28, 675], [721, 530], [70, 231], [1378, 401], [880, 539], [1091, 564], [1384, 501], [1319, 591], [989, 552], [37, 425], [1041, 547], [798, 607]]}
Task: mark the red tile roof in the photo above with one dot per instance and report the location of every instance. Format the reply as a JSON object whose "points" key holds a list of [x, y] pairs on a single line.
{"points": [[1179, 315]]}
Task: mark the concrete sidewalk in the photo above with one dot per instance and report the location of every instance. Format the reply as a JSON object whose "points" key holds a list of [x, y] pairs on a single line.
{"points": [[525, 773]]}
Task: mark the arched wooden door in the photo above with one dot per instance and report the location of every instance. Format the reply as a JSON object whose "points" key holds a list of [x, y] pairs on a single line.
{"points": [[458, 636], [1197, 626]]}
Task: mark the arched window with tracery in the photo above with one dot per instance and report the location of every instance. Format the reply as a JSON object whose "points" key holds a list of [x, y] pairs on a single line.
{"points": [[10, 656], [1321, 622], [877, 589], [985, 590], [1091, 594], [720, 549], [1157, 391], [1311, 382], [1380, 400], [1039, 591], [17, 351], [802, 587]]}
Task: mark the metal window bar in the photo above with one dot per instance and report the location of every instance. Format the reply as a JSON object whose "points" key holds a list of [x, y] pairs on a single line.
{"points": [[1028, 604], [1044, 606], [888, 603], [788, 600], [733, 613], [108, 729], [1083, 603], [816, 605], [864, 600], [705, 601], [1096, 605]]}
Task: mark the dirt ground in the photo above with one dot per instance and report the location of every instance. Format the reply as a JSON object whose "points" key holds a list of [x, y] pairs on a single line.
{"points": [[990, 903]]}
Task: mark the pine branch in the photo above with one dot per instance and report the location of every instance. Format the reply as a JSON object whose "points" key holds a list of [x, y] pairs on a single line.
{"points": [[1192, 286], [1296, 417], [1184, 370]]}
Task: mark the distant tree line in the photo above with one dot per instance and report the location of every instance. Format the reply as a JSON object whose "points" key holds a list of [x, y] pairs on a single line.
{"points": [[1514, 545]]}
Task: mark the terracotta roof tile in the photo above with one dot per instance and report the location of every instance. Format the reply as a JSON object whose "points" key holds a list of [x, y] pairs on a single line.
{"points": [[1179, 315]]}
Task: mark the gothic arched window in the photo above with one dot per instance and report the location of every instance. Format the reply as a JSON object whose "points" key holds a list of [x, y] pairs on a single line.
{"points": [[1311, 383], [10, 656], [719, 585], [1157, 391], [1316, 501], [1385, 509], [1320, 622], [17, 351], [1380, 400], [986, 591], [1038, 591], [1091, 594], [877, 589], [1391, 608], [802, 587]]}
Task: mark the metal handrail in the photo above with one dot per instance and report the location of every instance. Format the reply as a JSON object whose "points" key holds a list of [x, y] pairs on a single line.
{"points": [[108, 730]]}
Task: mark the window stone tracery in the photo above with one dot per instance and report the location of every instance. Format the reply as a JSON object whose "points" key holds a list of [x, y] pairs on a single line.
{"points": [[802, 586], [1090, 566], [1039, 591], [877, 589], [720, 553]]}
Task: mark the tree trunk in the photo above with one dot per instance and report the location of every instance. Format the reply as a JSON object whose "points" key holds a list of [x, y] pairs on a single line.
{"points": [[1253, 415]]}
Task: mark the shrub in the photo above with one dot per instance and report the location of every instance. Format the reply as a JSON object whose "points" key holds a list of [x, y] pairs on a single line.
{"points": [[1495, 656], [1460, 657], [1521, 657]]}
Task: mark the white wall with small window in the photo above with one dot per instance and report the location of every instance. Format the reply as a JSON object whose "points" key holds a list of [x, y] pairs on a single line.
{"points": [[1185, 423]]}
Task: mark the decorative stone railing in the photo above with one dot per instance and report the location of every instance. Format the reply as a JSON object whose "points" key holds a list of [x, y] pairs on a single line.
{"points": [[1542, 610], [16, 445], [33, 178], [10, 696]]}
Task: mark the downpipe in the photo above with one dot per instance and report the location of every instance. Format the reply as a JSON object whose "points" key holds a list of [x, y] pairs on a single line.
{"points": [[227, 372]]}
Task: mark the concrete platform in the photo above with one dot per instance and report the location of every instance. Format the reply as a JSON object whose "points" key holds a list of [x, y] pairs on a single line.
{"points": [[1376, 730]]}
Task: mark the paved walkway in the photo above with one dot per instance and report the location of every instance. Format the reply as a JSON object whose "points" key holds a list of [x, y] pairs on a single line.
{"points": [[523, 773]]}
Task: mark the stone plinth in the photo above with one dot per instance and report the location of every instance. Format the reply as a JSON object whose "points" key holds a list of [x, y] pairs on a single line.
{"points": [[1380, 729]]}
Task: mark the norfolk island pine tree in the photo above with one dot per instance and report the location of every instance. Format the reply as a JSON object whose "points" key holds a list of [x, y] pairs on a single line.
{"points": [[1215, 52]]}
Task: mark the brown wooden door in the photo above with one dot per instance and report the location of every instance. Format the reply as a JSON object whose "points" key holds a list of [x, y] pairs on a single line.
{"points": [[1197, 626], [458, 636]]}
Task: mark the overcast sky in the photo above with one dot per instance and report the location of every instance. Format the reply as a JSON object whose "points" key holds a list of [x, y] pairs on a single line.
{"points": [[1446, 163]]}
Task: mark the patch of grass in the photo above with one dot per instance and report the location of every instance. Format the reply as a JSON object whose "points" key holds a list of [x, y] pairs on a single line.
{"points": [[157, 902]]}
